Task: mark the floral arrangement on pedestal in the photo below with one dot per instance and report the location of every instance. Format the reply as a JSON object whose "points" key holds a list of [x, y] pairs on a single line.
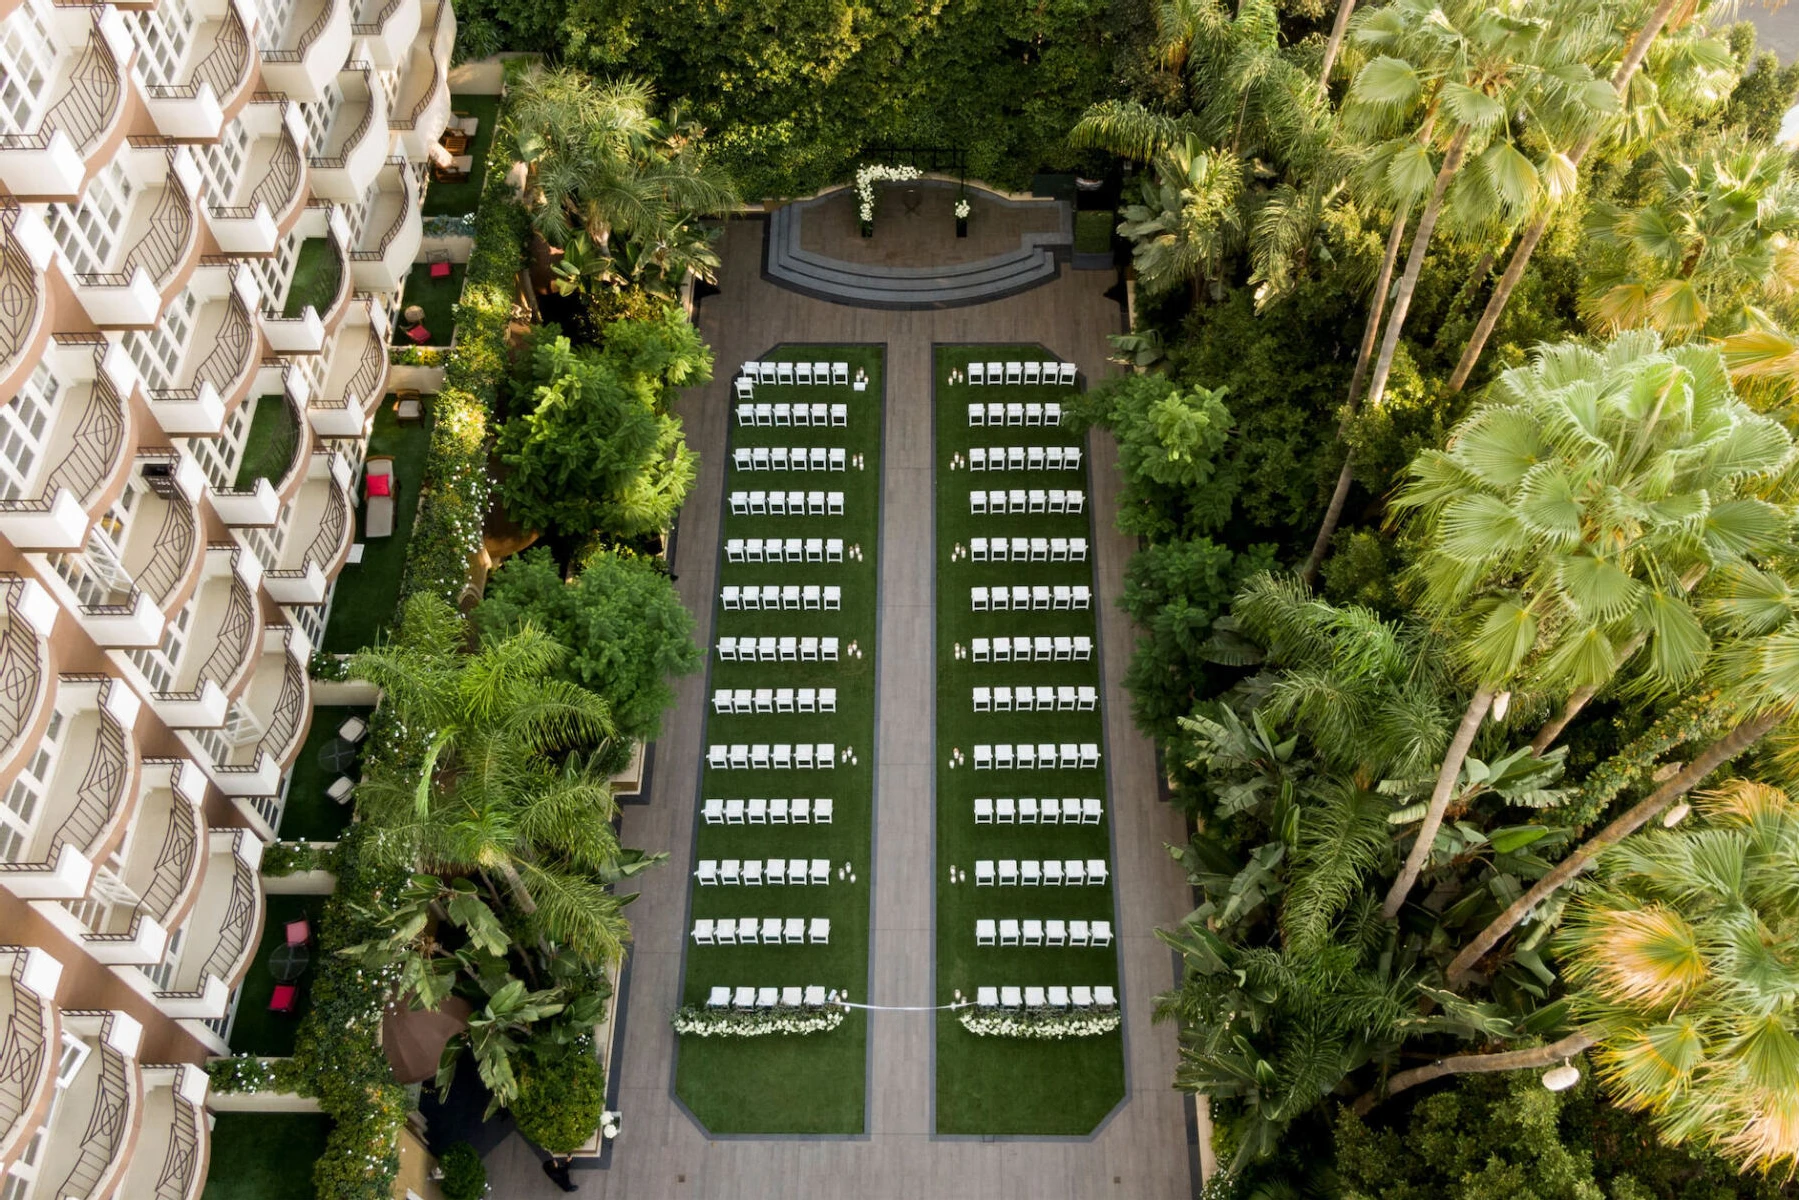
{"points": [[1045, 1024], [867, 176], [704, 1022], [962, 210]]}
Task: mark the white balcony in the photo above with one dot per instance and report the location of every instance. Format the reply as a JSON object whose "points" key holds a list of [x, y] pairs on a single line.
{"points": [[220, 364], [170, 1160], [86, 454], [319, 296], [269, 193], [210, 81], [421, 106], [83, 778], [26, 249], [32, 1030], [158, 248], [311, 52], [51, 161], [356, 381], [245, 760], [94, 1119], [276, 453], [386, 28], [27, 686], [318, 539], [392, 234], [347, 159], [218, 939], [224, 631]]}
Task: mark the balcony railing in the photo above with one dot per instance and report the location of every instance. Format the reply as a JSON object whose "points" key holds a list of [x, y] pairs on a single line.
{"points": [[100, 787], [234, 930], [22, 1046], [362, 385], [308, 36], [19, 301], [234, 636], [181, 1162], [282, 180], [226, 66], [373, 28], [337, 161], [392, 231], [227, 364], [22, 664], [108, 1125], [174, 861], [172, 552], [94, 455], [88, 106], [163, 245]]}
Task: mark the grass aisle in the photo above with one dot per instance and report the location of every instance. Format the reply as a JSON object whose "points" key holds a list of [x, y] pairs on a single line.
{"points": [[813, 1083], [994, 1085]]}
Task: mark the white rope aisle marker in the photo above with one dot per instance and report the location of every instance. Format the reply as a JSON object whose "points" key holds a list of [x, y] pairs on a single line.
{"points": [[903, 1007]]}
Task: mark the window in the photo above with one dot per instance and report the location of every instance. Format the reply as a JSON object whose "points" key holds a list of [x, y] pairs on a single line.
{"points": [[27, 57], [165, 33], [158, 353], [158, 662], [88, 232], [223, 162], [19, 810], [319, 115], [272, 18], [22, 427]]}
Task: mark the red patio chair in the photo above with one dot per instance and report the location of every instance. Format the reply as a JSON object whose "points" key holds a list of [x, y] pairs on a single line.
{"points": [[299, 932], [419, 334], [283, 998]]}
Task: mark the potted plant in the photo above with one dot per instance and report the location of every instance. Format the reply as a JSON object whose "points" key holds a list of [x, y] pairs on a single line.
{"points": [[962, 210]]}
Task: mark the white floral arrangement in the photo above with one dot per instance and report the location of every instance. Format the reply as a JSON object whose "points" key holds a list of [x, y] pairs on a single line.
{"points": [[1044, 1024], [704, 1022], [962, 209], [870, 174]]}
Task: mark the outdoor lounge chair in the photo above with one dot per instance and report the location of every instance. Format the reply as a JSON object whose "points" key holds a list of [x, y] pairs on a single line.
{"points": [[299, 932], [407, 407], [380, 488], [284, 998]]}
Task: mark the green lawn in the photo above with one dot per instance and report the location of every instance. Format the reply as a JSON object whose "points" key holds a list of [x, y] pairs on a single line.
{"points": [[1093, 231], [368, 591], [456, 199], [317, 273], [435, 296], [813, 1083], [989, 1085], [256, 1030], [270, 445], [310, 814], [264, 1156]]}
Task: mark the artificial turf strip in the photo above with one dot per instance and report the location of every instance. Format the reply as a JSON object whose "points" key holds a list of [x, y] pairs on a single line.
{"points": [[264, 1156], [309, 815], [270, 445], [256, 1030], [459, 199], [995, 1085], [368, 592], [813, 1083], [437, 297]]}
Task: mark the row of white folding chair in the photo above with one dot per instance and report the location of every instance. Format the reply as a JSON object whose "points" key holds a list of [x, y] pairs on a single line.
{"points": [[982, 416], [800, 810], [774, 700], [1029, 810], [1039, 597], [777, 649], [787, 504], [1010, 932], [1036, 997], [1027, 549], [790, 458], [780, 596], [783, 756], [1024, 458], [791, 550], [1026, 500], [767, 998], [794, 872], [767, 931], [1045, 756], [1032, 872], [797, 372], [1031, 649], [820, 414], [1021, 372], [1041, 698]]}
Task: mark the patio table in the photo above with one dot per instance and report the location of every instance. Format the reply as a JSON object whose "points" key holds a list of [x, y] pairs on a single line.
{"points": [[337, 755], [288, 963]]}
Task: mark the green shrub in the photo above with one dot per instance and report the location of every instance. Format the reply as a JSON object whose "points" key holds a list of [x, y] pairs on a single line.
{"points": [[561, 1093], [288, 858], [465, 1176]]}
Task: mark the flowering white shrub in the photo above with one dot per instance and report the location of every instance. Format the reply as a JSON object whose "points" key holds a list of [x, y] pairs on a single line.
{"points": [[870, 174], [962, 209], [715, 1022], [1046, 1024]]}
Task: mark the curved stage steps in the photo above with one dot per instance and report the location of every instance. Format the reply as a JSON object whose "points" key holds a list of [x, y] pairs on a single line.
{"points": [[868, 285]]}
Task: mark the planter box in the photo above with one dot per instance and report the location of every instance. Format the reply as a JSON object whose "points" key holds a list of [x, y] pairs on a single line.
{"points": [[429, 380], [273, 1102], [301, 883], [350, 693], [459, 248], [1093, 262]]}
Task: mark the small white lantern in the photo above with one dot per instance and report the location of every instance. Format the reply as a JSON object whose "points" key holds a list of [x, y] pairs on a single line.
{"points": [[1676, 815], [1560, 1079]]}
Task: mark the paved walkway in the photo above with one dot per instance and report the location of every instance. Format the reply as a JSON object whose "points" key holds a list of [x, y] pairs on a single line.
{"points": [[1142, 1153]]}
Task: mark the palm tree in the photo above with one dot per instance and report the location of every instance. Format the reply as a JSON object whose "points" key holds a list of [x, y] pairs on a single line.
{"points": [[1334, 45], [503, 789], [1710, 241], [1566, 525], [1680, 967], [1188, 220]]}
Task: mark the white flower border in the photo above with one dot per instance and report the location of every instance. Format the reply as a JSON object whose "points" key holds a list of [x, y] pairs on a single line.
{"points": [[712, 1022], [869, 174], [962, 209], [1043, 1024]]}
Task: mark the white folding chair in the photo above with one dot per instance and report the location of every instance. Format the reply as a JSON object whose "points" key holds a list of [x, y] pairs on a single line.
{"points": [[1005, 811], [707, 872], [1008, 933], [983, 809], [818, 933], [977, 373], [802, 372], [977, 415], [1033, 373], [715, 812], [823, 809], [983, 933], [840, 373]]}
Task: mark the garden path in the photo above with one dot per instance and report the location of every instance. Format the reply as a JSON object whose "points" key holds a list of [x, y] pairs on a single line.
{"points": [[1142, 1152]]}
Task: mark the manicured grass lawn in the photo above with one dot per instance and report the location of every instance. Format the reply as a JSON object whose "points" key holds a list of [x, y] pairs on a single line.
{"points": [[455, 199], [264, 1156], [368, 591], [435, 296], [810, 1083], [269, 446], [256, 1030], [310, 814], [992, 1085], [317, 273], [1093, 231]]}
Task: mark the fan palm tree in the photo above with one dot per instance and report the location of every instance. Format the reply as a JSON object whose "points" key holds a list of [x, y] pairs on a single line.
{"points": [[503, 788], [1682, 972], [1566, 525], [1712, 240]]}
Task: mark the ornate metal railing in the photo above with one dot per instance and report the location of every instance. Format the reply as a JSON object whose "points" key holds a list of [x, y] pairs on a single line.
{"points": [[174, 863], [21, 1049], [308, 36], [170, 233], [234, 930], [21, 666], [281, 181], [99, 791], [362, 385], [437, 84], [361, 129], [172, 551], [226, 66], [230, 358], [371, 28], [182, 1159], [18, 286], [86, 108], [99, 440], [107, 1126], [408, 204], [234, 636]]}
